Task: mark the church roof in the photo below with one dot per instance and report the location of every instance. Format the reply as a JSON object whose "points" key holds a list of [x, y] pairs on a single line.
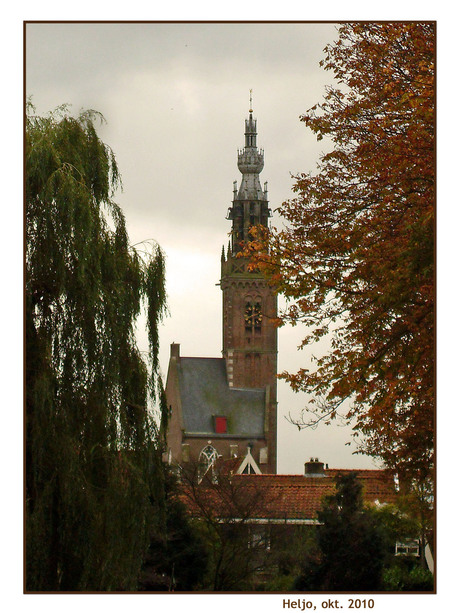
{"points": [[205, 393]]}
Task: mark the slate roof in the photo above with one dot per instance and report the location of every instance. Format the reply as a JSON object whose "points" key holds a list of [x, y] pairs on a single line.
{"points": [[205, 392]]}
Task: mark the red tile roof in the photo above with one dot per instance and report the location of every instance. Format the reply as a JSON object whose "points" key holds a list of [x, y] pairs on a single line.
{"points": [[284, 497]]}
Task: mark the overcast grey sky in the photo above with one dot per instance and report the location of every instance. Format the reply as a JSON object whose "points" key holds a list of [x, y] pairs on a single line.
{"points": [[175, 97]]}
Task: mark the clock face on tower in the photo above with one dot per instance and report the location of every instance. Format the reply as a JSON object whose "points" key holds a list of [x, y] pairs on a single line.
{"points": [[252, 317]]}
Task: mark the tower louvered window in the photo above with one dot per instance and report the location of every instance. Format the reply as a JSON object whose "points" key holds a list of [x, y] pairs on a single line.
{"points": [[252, 216]]}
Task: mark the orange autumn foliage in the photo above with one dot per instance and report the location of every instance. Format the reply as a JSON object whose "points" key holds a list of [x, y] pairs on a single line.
{"points": [[356, 260]]}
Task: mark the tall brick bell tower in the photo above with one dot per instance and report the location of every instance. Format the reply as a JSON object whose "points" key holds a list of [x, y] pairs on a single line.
{"points": [[249, 305]]}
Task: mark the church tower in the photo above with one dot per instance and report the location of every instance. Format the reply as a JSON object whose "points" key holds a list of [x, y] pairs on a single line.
{"points": [[224, 409], [249, 305]]}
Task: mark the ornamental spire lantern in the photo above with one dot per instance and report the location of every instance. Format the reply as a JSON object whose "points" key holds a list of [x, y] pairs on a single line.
{"points": [[250, 202]]}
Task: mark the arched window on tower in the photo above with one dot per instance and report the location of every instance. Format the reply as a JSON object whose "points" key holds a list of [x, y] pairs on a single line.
{"points": [[238, 227]]}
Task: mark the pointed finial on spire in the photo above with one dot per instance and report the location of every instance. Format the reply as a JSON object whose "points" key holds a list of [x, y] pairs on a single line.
{"points": [[250, 100]]}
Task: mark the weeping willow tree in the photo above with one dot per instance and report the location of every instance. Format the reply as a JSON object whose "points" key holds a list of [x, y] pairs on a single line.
{"points": [[94, 483]]}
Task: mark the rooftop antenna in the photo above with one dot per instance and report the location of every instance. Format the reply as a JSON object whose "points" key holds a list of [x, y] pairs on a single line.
{"points": [[250, 100]]}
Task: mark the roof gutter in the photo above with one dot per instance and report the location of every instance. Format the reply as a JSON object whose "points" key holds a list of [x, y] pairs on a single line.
{"points": [[274, 521]]}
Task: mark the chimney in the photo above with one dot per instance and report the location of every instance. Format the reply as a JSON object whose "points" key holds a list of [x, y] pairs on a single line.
{"points": [[314, 468], [175, 350]]}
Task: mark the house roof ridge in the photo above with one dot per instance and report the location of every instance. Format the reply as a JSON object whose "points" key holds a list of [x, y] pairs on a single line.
{"points": [[199, 357], [328, 474], [358, 470], [298, 476]]}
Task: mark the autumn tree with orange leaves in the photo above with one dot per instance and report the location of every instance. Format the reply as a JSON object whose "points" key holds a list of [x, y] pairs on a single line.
{"points": [[356, 257]]}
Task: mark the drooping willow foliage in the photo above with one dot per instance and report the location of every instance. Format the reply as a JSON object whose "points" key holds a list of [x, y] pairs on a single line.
{"points": [[94, 483]]}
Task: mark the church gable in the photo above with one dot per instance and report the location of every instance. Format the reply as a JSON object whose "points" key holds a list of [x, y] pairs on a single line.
{"points": [[248, 466]]}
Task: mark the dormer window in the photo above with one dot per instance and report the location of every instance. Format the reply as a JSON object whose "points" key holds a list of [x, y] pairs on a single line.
{"points": [[220, 424]]}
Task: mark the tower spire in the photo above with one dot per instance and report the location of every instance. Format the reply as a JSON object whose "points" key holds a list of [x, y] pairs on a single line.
{"points": [[250, 132], [250, 202]]}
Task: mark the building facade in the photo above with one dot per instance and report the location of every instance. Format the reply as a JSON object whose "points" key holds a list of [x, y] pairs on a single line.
{"points": [[220, 407]]}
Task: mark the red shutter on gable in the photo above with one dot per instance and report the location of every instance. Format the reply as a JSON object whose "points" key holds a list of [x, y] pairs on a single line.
{"points": [[220, 424]]}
